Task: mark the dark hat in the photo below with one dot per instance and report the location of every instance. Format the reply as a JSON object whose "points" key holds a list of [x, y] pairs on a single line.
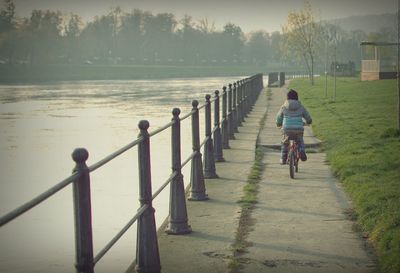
{"points": [[292, 95]]}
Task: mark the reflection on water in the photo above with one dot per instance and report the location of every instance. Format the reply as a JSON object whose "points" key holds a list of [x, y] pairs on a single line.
{"points": [[40, 126]]}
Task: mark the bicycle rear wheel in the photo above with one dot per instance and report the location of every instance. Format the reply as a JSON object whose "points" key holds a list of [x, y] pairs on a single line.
{"points": [[292, 160]]}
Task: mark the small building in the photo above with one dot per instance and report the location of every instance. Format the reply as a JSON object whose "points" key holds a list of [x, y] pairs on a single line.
{"points": [[378, 61]]}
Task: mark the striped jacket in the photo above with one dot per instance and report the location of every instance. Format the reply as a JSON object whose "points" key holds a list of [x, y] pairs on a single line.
{"points": [[291, 115]]}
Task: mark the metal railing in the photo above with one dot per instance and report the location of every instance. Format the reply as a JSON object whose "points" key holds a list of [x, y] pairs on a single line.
{"points": [[237, 102]]}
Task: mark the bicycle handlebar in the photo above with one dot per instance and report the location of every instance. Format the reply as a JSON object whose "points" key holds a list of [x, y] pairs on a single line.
{"points": [[304, 124]]}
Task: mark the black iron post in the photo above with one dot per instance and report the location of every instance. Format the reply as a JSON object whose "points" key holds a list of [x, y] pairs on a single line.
{"points": [[248, 95], [239, 103], [218, 152], [234, 108], [209, 162], [252, 91], [261, 84], [178, 220], [245, 98], [231, 126], [243, 103], [198, 188], [147, 253], [225, 130], [83, 213]]}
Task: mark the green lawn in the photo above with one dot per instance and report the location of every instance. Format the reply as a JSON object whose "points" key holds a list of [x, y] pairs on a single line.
{"points": [[363, 149]]}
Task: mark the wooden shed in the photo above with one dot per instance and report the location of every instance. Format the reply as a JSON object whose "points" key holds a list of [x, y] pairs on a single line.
{"points": [[378, 61]]}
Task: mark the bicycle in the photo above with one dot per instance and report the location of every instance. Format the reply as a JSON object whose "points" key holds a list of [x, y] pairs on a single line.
{"points": [[293, 157]]}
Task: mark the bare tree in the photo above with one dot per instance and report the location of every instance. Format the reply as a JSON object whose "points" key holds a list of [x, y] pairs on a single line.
{"points": [[301, 36], [205, 26]]}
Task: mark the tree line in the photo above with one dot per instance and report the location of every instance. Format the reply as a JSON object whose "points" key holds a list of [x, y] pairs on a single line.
{"points": [[141, 37], [138, 37]]}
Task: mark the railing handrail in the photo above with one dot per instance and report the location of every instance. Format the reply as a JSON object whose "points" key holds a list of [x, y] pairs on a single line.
{"points": [[237, 100], [8, 217], [119, 235], [114, 155]]}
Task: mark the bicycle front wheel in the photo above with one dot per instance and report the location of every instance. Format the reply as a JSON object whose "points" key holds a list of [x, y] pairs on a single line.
{"points": [[292, 163]]}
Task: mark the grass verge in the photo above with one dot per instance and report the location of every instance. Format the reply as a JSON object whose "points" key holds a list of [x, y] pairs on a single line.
{"points": [[357, 125]]}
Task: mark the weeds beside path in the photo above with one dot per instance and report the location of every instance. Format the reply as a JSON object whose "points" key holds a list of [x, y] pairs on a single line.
{"points": [[247, 202]]}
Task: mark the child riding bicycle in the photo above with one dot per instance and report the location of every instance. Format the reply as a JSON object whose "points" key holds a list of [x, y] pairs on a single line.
{"points": [[290, 119]]}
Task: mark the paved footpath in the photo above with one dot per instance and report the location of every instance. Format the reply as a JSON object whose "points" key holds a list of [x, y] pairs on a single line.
{"points": [[299, 225], [302, 224]]}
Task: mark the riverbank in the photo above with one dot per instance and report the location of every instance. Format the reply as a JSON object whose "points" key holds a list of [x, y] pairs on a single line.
{"points": [[52, 73], [362, 148]]}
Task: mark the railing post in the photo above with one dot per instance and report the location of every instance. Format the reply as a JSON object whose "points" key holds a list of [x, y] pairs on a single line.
{"points": [[251, 94], [259, 80], [262, 80], [147, 253], [178, 220], [261, 83], [239, 104], [209, 162], [243, 108], [218, 153], [252, 91], [248, 88], [245, 98], [225, 130], [83, 213], [198, 188], [231, 126], [234, 108]]}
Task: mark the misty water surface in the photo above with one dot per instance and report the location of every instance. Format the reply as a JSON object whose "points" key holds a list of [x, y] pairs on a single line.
{"points": [[40, 127]]}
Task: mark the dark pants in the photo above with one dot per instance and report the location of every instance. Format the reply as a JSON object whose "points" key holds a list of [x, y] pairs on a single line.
{"points": [[287, 136]]}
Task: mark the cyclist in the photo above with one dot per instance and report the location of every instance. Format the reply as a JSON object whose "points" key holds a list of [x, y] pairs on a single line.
{"points": [[290, 119]]}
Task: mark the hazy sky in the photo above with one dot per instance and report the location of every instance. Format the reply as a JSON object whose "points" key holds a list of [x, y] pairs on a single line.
{"points": [[250, 15]]}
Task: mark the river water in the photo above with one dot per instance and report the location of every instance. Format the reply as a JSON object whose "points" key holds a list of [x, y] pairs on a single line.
{"points": [[40, 126]]}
